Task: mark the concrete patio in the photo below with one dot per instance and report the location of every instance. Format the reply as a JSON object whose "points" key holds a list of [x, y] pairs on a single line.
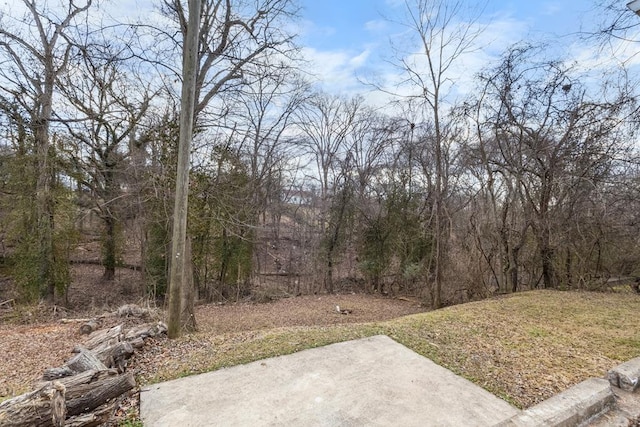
{"points": [[368, 382]]}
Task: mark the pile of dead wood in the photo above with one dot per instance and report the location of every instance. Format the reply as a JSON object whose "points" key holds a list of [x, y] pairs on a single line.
{"points": [[85, 390]]}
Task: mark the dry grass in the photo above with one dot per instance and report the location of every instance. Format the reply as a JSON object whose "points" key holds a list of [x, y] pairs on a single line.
{"points": [[528, 346], [524, 347]]}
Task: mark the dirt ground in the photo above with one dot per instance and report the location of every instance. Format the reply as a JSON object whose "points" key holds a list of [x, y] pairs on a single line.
{"points": [[28, 349]]}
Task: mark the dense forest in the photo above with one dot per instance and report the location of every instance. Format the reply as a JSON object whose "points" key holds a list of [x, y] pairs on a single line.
{"points": [[529, 180]]}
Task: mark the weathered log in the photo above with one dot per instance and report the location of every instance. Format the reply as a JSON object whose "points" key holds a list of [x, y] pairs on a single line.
{"points": [[87, 377], [137, 343], [85, 361], [42, 407], [104, 338], [86, 398], [89, 327], [116, 356], [145, 331], [98, 417], [132, 310], [57, 373], [80, 384]]}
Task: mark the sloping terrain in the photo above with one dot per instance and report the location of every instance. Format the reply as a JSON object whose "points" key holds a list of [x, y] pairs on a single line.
{"points": [[524, 347]]}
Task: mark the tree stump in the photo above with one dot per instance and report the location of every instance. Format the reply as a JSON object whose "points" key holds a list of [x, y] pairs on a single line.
{"points": [[85, 361]]}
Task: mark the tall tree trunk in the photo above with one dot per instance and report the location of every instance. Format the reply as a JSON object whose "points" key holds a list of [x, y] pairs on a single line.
{"points": [[328, 277], [179, 261], [44, 201], [568, 264], [188, 292], [513, 268], [109, 248], [439, 211], [548, 270]]}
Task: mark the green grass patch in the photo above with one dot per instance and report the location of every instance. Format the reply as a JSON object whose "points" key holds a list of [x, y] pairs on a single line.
{"points": [[524, 348]]}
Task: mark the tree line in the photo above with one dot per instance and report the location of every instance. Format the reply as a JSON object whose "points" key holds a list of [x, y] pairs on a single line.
{"points": [[529, 181]]}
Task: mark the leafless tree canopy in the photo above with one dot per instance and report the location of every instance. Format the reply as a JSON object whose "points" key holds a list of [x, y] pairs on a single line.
{"points": [[530, 180]]}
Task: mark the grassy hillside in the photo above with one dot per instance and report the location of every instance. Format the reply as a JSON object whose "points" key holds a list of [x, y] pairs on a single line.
{"points": [[523, 347]]}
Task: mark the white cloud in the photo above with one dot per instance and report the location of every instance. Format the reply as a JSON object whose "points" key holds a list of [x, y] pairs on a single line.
{"points": [[492, 41], [603, 68], [337, 70], [307, 28], [359, 60], [376, 26]]}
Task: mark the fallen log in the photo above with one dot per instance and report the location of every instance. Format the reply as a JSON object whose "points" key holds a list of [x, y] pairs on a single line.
{"points": [[137, 343], [42, 407], [72, 383], [66, 321], [89, 327], [96, 418], [116, 356], [57, 373], [104, 338], [86, 398], [145, 331], [132, 310], [85, 360], [83, 389]]}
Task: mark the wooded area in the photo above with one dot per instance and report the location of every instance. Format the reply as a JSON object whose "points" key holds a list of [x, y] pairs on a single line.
{"points": [[531, 180]]}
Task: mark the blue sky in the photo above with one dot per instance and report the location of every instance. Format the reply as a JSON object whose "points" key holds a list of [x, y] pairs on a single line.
{"points": [[349, 23], [348, 39]]}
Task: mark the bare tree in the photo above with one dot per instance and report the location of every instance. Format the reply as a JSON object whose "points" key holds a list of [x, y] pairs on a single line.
{"points": [[35, 52], [617, 22], [554, 144], [443, 39], [263, 111], [326, 123], [107, 104], [232, 35]]}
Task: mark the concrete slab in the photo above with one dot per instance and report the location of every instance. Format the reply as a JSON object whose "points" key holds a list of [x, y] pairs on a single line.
{"points": [[369, 382]]}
